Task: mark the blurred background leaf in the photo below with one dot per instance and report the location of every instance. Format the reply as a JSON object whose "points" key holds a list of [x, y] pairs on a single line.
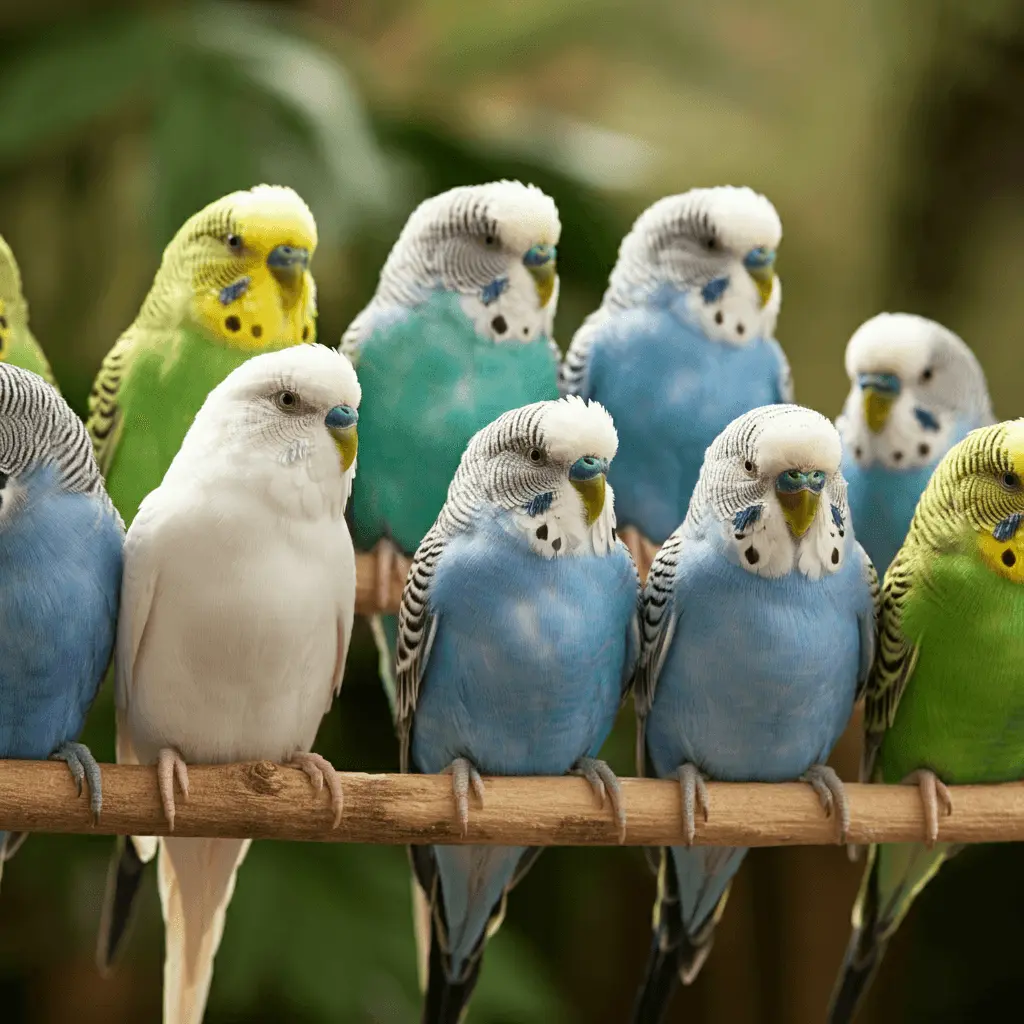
{"points": [[888, 134]]}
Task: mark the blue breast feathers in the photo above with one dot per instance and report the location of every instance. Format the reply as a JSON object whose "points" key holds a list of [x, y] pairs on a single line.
{"points": [[530, 657], [60, 579], [671, 391]]}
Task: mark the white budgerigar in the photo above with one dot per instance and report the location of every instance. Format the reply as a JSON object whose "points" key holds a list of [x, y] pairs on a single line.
{"points": [[237, 607]]}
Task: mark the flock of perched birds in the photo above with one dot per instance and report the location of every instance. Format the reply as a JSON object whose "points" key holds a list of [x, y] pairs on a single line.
{"points": [[229, 447]]}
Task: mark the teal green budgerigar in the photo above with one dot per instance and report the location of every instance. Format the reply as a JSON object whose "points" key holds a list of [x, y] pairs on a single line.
{"points": [[17, 345], [458, 332], [945, 702], [233, 282]]}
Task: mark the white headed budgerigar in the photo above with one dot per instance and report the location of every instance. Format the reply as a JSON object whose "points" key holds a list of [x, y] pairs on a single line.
{"points": [[236, 615], [517, 641], [915, 391], [759, 630], [683, 344]]}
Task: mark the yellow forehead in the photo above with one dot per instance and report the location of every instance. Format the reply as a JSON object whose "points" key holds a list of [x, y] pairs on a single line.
{"points": [[1014, 444], [268, 216]]}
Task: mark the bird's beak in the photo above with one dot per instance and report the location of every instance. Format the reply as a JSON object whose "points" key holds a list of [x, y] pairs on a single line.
{"points": [[287, 262], [341, 424], [799, 494], [587, 475], [541, 261], [878, 391], [760, 264]]}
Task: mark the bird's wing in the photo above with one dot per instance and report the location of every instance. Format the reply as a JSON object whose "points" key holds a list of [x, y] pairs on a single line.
{"points": [[894, 663], [657, 627], [784, 387], [572, 377], [417, 626], [869, 622], [104, 421]]}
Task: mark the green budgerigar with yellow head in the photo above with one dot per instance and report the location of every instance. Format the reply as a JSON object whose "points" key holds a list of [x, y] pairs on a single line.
{"points": [[945, 702], [233, 282], [17, 345]]}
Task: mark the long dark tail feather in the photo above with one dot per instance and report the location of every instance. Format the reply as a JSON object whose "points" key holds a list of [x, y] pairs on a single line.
{"points": [[446, 1000], [123, 881], [863, 957], [659, 985]]}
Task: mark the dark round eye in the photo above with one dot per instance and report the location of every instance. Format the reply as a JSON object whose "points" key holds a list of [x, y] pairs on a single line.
{"points": [[535, 455], [1010, 481], [287, 400], [748, 466], [711, 242], [234, 242], [927, 375], [490, 240]]}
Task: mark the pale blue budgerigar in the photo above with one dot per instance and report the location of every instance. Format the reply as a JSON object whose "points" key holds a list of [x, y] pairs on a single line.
{"points": [[759, 628], [916, 390], [518, 636], [458, 332], [60, 577], [682, 344]]}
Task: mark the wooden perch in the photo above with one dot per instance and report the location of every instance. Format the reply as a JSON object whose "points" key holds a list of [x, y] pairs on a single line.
{"points": [[366, 588], [267, 801]]}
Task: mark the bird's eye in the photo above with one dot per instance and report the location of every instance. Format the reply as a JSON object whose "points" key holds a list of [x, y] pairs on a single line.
{"points": [[535, 455], [927, 375], [748, 466], [234, 242], [287, 400], [1010, 481], [711, 242], [490, 241]]}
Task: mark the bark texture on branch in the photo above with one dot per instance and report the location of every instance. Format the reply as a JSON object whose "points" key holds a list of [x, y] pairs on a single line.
{"points": [[367, 602], [267, 801]]}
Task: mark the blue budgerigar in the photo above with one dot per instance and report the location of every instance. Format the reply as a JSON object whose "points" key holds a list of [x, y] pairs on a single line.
{"points": [[682, 345], [60, 577], [458, 332], [518, 637], [759, 628], [916, 390]]}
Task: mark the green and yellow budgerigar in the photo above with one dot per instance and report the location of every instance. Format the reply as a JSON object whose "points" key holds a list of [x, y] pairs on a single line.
{"points": [[233, 282], [945, 702], [17, 345]]}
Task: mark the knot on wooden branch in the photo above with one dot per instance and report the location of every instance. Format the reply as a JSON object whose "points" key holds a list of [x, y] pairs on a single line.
{"points": [[263, 777]]}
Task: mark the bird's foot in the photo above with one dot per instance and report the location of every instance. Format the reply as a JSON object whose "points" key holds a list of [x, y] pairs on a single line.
{"points": [[604, 783], [832, 794], [320, 770], [694, 791], [933, 793], [642, 549], [392, 567], [170, 766], [84, 769], [464, 775]]}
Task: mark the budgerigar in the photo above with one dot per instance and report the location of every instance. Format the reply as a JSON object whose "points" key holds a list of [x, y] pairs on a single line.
{"points": [[17, 345], [916, 390], [238, 599], [518, 637], [234, 281], [458, 332], [759, 630], [945, 703], [682, 344], [60, 580]]}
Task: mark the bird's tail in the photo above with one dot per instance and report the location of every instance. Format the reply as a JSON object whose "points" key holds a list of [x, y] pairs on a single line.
{"points": [[197, 878], [447, 999], [677, 953], [385, 635], [124, 877], [10, 843], [895, 874]]}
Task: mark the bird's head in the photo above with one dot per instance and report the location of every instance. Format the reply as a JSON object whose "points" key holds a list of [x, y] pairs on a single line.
{"points": [[492, 243], [13, 308], [771, 480], [720, 245], [911, 382], [239, 269], [547, 464]]}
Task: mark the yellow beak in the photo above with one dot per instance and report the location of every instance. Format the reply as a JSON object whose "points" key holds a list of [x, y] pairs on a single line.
{"points": [[346, 440], [877, 406], [764, 281], [544, 281], [592, 493], [799, 508]]}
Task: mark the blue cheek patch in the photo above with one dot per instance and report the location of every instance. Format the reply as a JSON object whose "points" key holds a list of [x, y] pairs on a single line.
{"points": [[746, 518], [712, 291], [494, 289], [1007, 529], [234, 291], [539, 504], [837, 517], [925, 418]]}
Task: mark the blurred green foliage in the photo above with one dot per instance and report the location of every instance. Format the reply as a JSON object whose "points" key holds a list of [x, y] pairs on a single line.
{"points": [[888, 136]]}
